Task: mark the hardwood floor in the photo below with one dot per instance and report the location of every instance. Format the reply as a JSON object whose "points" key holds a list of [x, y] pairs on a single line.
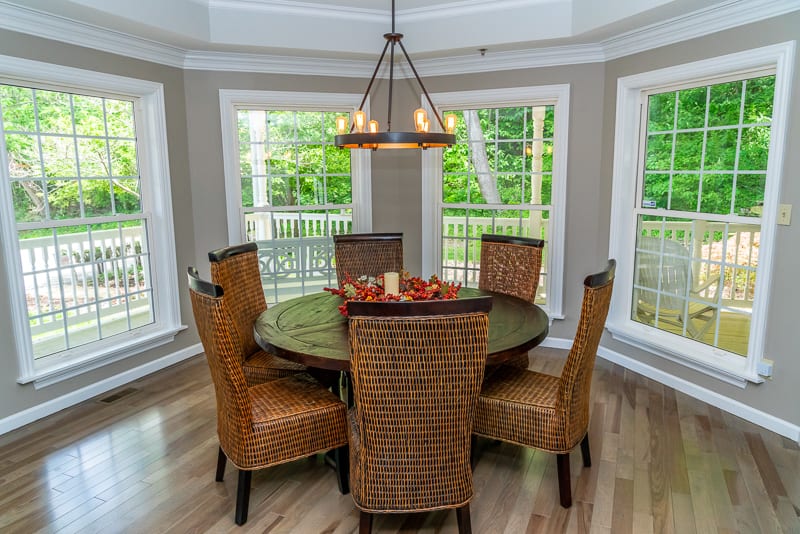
{"points": [[662, 462]]}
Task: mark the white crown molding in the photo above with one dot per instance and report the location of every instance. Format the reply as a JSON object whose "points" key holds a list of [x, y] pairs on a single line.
{"points": [[48, 26], [523, 59], [240, 62], [723, 16], [696, 24]]}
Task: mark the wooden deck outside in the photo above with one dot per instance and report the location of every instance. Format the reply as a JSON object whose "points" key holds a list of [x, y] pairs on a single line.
{"points": [[734, 332], [662, 462]]}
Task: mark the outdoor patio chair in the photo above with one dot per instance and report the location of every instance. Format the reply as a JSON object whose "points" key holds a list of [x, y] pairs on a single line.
{"points": [[511, 265], [545, 412], [268, 424], [672, 297], [367, 254], [235, 268], [417, 372]]}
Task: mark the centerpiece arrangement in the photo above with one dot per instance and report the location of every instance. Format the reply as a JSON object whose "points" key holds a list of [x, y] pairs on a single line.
{"points": [[409, 288]]}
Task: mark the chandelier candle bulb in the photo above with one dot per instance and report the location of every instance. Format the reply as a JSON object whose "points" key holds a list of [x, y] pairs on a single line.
{"points": [[391, 283], [373, 126], [359, 121], [450, 123], [342, 124], [420, 118]]}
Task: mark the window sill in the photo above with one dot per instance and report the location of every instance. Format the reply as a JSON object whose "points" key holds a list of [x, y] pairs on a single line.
{"points": [[712, 362], [72, 363]]}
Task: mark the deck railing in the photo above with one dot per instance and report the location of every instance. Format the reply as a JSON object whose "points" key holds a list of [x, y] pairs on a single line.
{"points": [[297, 245]]}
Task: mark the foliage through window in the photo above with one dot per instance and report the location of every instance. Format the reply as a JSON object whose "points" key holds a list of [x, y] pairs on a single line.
{"points": [[702, 183], [297, 192], [497, 178], [83, 234]]}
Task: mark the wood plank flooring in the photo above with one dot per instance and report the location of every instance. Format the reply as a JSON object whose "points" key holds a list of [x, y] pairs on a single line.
{"points": [[662, 463]]}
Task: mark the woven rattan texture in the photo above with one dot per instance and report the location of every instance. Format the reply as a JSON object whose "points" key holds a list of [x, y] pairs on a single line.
{"points": [[513, 270], [272, 423], [368, 258], [540, 411], [416, 382], [240, 279]]}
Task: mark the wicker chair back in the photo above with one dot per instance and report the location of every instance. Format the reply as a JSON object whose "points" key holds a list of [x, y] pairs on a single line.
{"points": [[367, 254], [416, 381], [511, 265]]}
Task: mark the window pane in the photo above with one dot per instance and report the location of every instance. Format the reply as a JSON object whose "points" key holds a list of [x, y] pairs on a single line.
{"points": [[755, 148], [725, 104], [759, 93], [750, 194], [54, 112], [688, 151], [17, 105], [721, 150], [717, 193], [659, 152], [656, 190], [89, 118], [661, 112], [691, 108], [685, 189]]}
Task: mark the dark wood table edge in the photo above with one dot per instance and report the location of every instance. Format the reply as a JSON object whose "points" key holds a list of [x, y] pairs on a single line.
{"points": [[335, 364]]}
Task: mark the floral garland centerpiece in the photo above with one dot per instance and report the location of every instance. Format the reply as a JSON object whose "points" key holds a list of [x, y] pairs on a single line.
{"points": [[412, 288]]}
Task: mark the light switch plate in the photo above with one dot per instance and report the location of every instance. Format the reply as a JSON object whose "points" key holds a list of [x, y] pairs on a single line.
{"points": [[784, 214]]}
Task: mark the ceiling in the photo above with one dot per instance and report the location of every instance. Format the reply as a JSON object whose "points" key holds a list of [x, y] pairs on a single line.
{"points": [[344, 37], [353, 29]]}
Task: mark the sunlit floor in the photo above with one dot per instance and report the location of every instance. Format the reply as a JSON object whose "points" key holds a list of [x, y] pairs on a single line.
{"points": [[144, 463]]}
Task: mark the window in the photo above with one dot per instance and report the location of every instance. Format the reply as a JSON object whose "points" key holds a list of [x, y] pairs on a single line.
{"points": [[506, 174], [79, 180], [289, 188], [702, 206]]}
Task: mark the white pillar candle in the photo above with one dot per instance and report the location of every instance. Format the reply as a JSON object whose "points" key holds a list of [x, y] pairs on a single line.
{"points": [[391, 283]]}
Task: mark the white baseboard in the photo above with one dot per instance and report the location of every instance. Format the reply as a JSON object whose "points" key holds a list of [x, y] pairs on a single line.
{"points": [[74, 397], [748, 413]]}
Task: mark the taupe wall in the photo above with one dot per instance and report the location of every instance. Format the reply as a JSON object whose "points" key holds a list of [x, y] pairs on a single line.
{"points": [[779, 396], [200, 219], [14, 397]]}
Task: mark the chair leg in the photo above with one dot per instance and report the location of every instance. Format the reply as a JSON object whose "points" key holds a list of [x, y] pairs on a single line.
{"points": [[564, 489], [587, 457], [221, 461], [464, 522], [473, 451], [342, 457], [243, 496], [365, 523]]}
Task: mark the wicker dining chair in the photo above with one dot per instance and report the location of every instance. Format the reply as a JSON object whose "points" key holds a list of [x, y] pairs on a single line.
{"points": [[268, 424], [511, 265], [235, 268], [545, 412], [417, 373], [367, 254]]}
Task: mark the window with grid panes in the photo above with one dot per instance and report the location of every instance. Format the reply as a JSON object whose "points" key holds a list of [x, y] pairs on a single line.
{"points": [[496, 179], [704, 173], [296, 191], [506, 174], [83, 226], [694, 209]]}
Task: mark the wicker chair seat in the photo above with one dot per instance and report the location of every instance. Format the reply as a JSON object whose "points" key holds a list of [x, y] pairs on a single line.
{"points": [[262, 367], [520, 407]]}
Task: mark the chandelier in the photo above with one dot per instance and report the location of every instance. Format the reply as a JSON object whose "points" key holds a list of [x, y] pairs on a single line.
{"points": [[363, 134]]}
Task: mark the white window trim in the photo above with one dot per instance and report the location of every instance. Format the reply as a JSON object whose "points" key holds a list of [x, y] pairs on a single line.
{"points": [[432, 177], [151, 129], [231, 100], [715, 362]]}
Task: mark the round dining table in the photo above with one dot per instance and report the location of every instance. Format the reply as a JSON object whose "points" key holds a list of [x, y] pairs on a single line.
{"points": [[311, 331]]}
